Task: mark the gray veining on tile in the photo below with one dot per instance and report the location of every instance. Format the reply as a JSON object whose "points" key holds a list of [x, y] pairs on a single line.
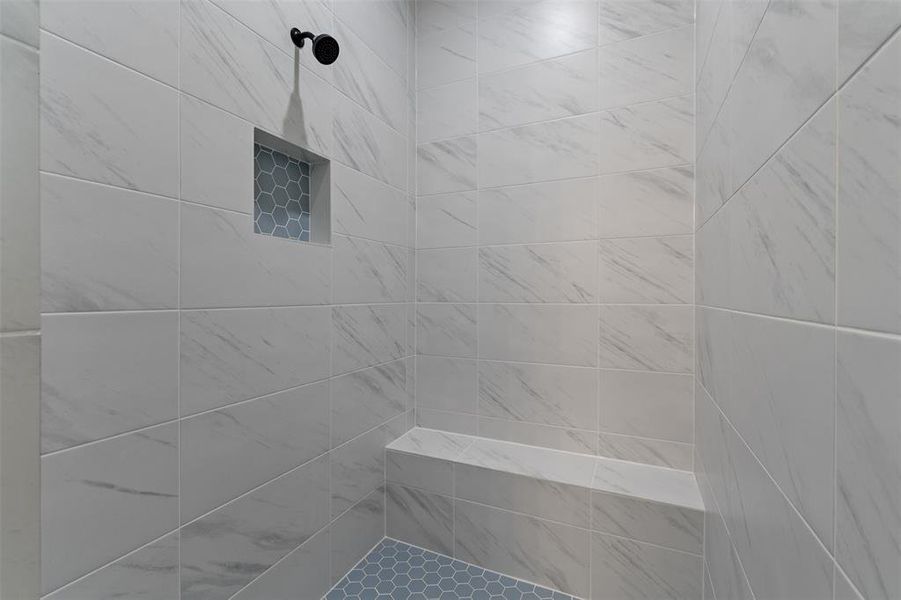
{"points": [[447, 220], [420, 518], [20, 21], [626, 19], [367, 144], [363, 206], [646, 269], [863, 26], [445, 41], [650, 338], [446, 111], [446, 329], [446, 383], [666, 486], [665, 525], [446, 275], [363, 336], [654, 405], [538, 273], [461, 423], [305, 568], [529, 461], [366, 271], [356, 531], [431, 443], [657, 202], [446, 166], [364, 399], [582, 441], [661, 453]]}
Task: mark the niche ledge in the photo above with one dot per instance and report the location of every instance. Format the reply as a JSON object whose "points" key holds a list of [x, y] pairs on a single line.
{"points": [[291, 191]]}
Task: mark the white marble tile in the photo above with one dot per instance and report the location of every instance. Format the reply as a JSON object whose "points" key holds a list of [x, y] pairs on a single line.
{"points": [[516, 33], [626, 569], [20, 19], [103, 500], [445, 41], [20, 215], [92, 238], [529, 461], [365, 399], [844, 589], [447, 220], [20, 398], [446, 329], [446, 384], [228, 452], [657, 202], [366, 271], [726, 572], [139, 34], [149, 572], [648, 482], [714, 173], [549, 394], [446, 111], [555, 334], [552, 150], [646, 269], [231, 67], [647, 136], [782, 80], [365, 207], [539, 273], [367, 144], [421, 472], [646, 68], [215, 155], [355, 532], [535, 496], [431, 443], [649, 451], [366, 335], [366, 79], [446, 166], [867, 514], [224, 550], [626, 19], [716, 69], [651, 338], [551, 554], [446, 275], [863, 26], [102, 122], [869, 203], [420, 518], [551, 89], [583, 441], [460, 423], [105, 374], [381, 25], [233, 355], [305, 568], [553, 211], [358, 467], [665, 525], [225, 264], [651, 405]]}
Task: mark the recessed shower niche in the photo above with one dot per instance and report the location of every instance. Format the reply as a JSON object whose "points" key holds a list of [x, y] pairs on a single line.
{"points": [[291, 191]]}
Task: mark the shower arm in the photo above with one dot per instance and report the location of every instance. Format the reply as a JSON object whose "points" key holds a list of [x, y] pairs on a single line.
{"points": [[298, 36]]}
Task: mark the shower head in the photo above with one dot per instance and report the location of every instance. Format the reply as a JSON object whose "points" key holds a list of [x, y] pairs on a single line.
{"points": [[325, 47]]}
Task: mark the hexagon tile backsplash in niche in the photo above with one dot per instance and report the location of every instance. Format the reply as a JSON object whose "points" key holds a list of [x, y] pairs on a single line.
{"points": [[281, 187]]}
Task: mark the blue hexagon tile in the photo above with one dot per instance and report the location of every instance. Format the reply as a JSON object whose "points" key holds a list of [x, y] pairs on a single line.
{"points": [[281, 189], [398, 571]]}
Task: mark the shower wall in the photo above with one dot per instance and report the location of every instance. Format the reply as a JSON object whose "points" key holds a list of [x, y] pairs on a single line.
{"points": [[799, 297], [215, 402], [555, 232]]}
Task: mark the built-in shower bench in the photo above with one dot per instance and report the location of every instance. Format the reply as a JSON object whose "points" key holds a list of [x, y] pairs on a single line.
{"points": [[585, 525]]}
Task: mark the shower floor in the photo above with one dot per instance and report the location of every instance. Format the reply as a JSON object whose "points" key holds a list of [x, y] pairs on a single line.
{"points": [[394, 570]]}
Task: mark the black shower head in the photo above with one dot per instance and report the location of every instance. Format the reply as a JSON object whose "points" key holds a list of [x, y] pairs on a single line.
{"points": [[325, 47]]}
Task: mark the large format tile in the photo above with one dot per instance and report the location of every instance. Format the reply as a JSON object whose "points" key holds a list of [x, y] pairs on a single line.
{"points": [[421, 518], [541, 91], [149, 573], [366, 271], [224, 550], [446, 275], [662, 524], [138, 34], [92, 238], [233, 355], [869, 204], [869, 479], [626, 19], [446, 111], [106, 499], [366, 144], [564, 273], [363, 206], [356, 531], [661, 453], [363, 336], [446, 166], [445, 41], [726, 572], [548, 553], [657, 202], [364, 399], [229, 451], [550, 394], [105, 374], [554, 334], [446, 329], [550, 150], [625, 569], [647, 136], [646, 269], [225, 264], [651, 405], [650, 338], [103, 122], [646, 68], [380, 25], [20, 21], [583, 441], [553, 211], [446, 383], [446, 220], [305, 568], [863, 26]]}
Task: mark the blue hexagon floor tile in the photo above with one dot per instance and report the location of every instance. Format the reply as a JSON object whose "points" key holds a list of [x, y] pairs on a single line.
{"points": [[398, 571]]}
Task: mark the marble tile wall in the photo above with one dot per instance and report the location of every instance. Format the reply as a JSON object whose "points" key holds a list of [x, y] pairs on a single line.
{"points": [[20, 320], [555, 223], [215, 402], [798, 290]]}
